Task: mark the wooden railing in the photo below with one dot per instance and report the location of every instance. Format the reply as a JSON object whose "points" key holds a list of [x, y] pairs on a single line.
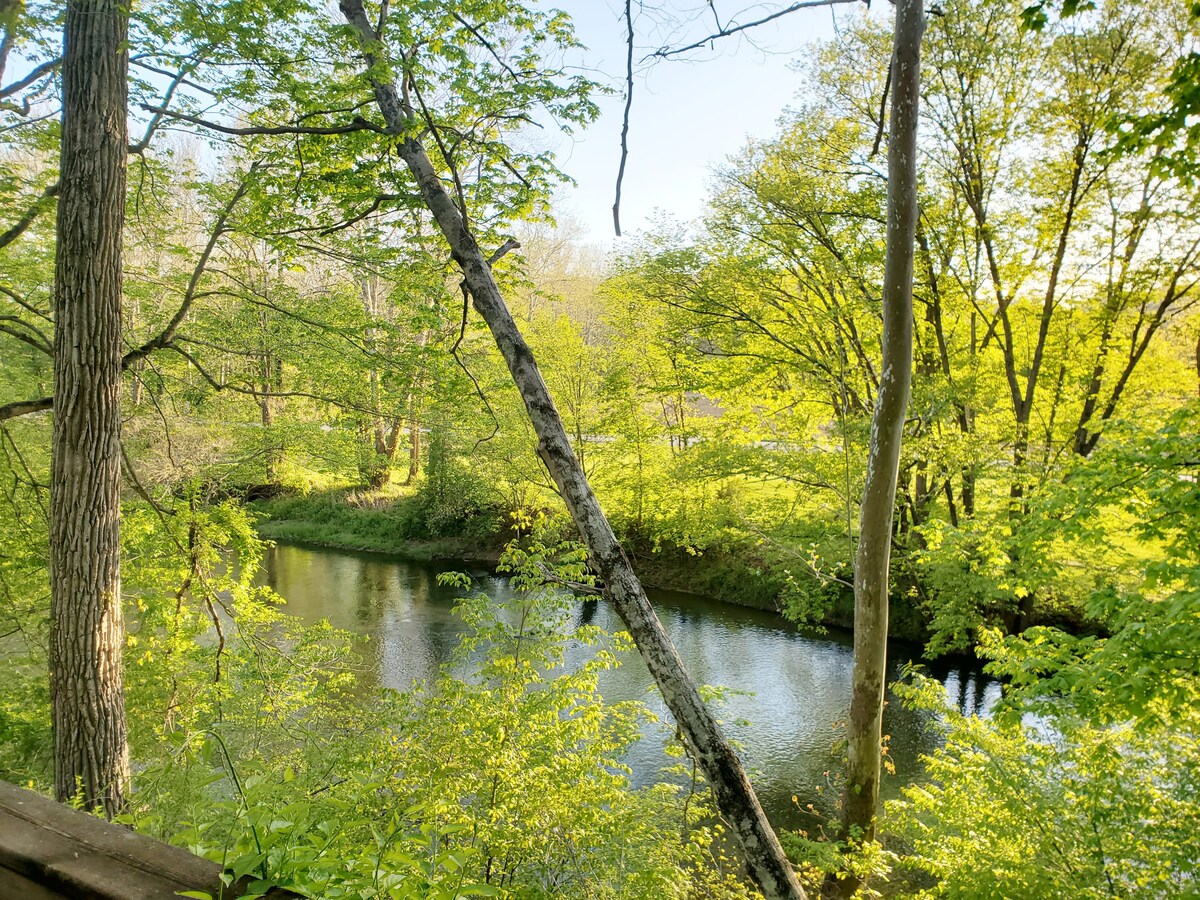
{"points": [[49, 852]]}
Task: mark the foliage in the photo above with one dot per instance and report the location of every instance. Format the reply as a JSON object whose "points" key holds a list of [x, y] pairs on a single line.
{"points": [[1067, 809], [502, 777], [716, 381], [1145, 668], [455, 499], [1170, 134], [1085, 782]]}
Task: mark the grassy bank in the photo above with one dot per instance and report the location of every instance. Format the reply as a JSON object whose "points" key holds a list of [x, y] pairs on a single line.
{"points": [[395, 522], [748, 575], [391, 522]]}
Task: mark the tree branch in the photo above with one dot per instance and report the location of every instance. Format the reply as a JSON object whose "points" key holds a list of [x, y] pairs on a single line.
{"points": [[486, 44], [157, 118], [36, 339], [356, 124], [39, 206], [39, 72], [254, 392], [164, 338], [729, 30], [25, 407], [577, 587], [187, 82], [625, 121], [23, 303]]}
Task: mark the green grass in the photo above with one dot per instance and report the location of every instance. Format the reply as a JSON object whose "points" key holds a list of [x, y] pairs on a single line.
{"points": [[389, 521]]}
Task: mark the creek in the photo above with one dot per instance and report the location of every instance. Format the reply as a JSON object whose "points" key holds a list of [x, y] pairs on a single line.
{"points": [[787, 690]]}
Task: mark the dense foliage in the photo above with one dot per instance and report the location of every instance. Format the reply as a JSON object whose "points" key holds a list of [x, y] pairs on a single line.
{"points": [[297, 344]]}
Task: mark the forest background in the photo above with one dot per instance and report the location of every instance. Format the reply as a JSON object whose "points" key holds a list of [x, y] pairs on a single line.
{"points": [[299, 362]]}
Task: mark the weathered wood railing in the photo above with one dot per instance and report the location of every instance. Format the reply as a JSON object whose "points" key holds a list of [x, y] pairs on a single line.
{"points": [[49, 852]]}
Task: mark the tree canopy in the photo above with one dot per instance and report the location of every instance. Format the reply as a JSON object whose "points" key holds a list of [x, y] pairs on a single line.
{"points": [[341, 258]]}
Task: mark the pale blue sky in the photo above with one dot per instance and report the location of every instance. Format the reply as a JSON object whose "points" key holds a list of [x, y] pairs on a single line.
{"points": [[689, 113]]}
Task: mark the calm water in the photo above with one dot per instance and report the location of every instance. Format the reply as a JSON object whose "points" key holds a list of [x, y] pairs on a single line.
{"points": [[788, 689]]}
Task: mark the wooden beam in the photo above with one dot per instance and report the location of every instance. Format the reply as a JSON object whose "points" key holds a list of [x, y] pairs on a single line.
{"points": [[49, 851]]}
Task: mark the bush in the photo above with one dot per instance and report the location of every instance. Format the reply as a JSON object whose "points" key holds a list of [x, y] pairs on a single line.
{"points": [[502, 777], [455, 500], [1070, 810]]}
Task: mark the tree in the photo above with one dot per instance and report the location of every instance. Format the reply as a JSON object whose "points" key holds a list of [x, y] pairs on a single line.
{"points": [[1042, 313], [765, 859], [1067, 275], [87, 635], [872, 563]]}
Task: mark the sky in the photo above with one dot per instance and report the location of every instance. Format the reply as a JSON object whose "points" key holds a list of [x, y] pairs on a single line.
{"points": [[689, 113]]}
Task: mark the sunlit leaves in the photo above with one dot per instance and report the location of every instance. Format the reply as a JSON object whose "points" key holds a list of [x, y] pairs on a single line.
{"points": [[1068, 810], [501, 777]]}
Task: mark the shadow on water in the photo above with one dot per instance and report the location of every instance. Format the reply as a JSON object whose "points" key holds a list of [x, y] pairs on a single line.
{"points": [[788, 690]]}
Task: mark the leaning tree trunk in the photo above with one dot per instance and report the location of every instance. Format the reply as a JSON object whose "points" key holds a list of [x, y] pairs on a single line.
{"points": [[735, 798], [865, 733], [91, 758]]}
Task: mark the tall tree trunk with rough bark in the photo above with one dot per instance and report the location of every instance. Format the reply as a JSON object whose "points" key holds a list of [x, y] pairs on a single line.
{"points": [[91, 758], [872, 564], [765, 860]]}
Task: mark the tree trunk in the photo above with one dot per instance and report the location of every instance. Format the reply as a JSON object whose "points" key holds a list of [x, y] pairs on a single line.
{"points": [[887, 428], [414, 451], [267, 418], [735, 798], [91, 758]]}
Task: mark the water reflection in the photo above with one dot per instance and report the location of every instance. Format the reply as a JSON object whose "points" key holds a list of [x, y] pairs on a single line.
{"points": [[788, 691]]}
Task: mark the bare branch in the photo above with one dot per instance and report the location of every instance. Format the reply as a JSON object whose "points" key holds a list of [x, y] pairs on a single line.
{"points": [[509, 244], [176, 81], [23, 303], [31, 335], [25, 407], [164, 338], [356, 124], [186, 82], [487, 45], [887, 86], [625, 122], [40, 205], [446, 154], [379, 201], [575, 586], [728, 30], [39, 72], [139, 488], [254, 392]]}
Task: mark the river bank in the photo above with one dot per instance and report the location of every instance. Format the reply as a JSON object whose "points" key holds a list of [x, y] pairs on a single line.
{"points": [[738, 575]]}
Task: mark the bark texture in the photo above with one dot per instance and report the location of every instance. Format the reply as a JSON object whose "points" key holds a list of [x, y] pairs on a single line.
{"points": [[765, 860], [90, 752], [871, 566]]}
